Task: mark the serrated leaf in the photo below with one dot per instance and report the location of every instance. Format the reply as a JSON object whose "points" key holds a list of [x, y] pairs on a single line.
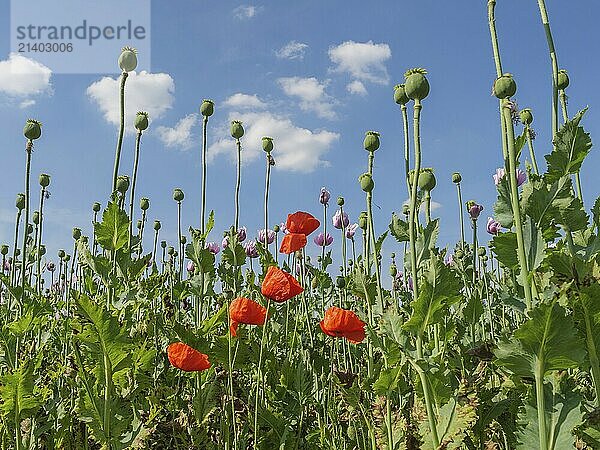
{"points": [[427, 240], [399, 229], [454, 421], [534, 245], [503, 212], [16, 391], [113, 232], [504, 246]]}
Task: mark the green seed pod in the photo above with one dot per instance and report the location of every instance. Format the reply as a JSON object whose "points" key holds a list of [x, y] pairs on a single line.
{"points": [[371, 142], [340, 282], [267, 144], [170, 251], [563, 80], [237, 130], [20, 201], [505, 86], [157, 225], [207, 108], [35, 218], [122, 183], [406, 209], [139, 224], [183, 240], [481, 251], [32, 129], [163, 244], [76, 233], [61, 254], [144, 203], [42, 250], [456, 178], [96, 207], [459, 254], [416, 84], [128, 59], [4, 250], [276, 228], [366, 182], [141, 121], [363, 220], [340, 201], [44, 180], [67, 258], [29, 228], [178, 195], [393, 270], [426, 180], [400, 96], [526, 116]]}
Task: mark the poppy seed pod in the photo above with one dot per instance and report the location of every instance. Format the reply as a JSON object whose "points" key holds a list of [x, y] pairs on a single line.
{"points": [[4, 250], [122, 183], [178, 195], [526, 116], [416, 85], [393, 270], [128, 59], [426, 180], [276, 228], [504, 86], [163, 244], [144, 203], [371, 142], [96, 207], [366, 182], [32, 129], [36, 217], [400, 96], [157, 225], [42, 250], [20, 201], [481, 251], [207, 108], [363, 220], [76, 233], [44, 180], [171, 251], [61, 254], [340, 282], [267, 144], [237, 130], [183, 240], [340, 201], [563, 80], [141, 121], [29, 228], [456, 178]]}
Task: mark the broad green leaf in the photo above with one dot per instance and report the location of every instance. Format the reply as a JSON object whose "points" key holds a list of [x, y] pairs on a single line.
{"points": [[388, 381], [399, 229], [503, 212], [113, 232], [534, 244], [16, 392], [504, 246], [427, 240], [454, 420]]}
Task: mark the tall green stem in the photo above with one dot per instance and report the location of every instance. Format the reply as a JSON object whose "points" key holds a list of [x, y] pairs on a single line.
{"points": [[13, 266], [28, 150], [554, 61], [39, 242], [531, 150], [124, 76], [203, 209], [238, 182], [371, 233], [406, 146], [461, 216], [260, 380], [541, 407], [267, 182], [133, 182]]}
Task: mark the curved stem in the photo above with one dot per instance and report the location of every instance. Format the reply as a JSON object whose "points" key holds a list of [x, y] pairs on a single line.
{"points": [[406, 146], [133, 182], [554, 61], [124, 76]]}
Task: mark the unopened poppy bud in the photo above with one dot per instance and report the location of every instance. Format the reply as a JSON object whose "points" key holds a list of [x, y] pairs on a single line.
{"points": [[44, 180], [237, 130], [456, 178], [128, 59], [144, 204], [459, 254], [400, 96], [363, 220], [267, 144], [366, 182], [42, 250], [171, 251], [393, 270], [563, 80], [340, 282], [163, 244], [157, 225], [141, 121], [340, 201], [20, 201], [36, 217], [4, 250], [96, 207], [426, 180], [504, 86], [183, 240], [178, 195], [276, 228], [76, 233], [139, 224], [32, 129], [526, 116], [122, 183], [371, 142], [29, 228], [481, 251], [61, 254], [207, 108], [416, 85]]}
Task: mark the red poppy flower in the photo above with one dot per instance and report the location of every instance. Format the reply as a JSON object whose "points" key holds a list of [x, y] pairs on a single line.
{"points": [[244, 310], [340, 322], [280, 286], [187, 358], [301, 223], [292, 243]]}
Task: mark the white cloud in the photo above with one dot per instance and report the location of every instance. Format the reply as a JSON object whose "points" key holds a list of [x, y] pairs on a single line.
{"points": [[297, 149], [180, 135], [292, 50], [356, 87], [434, 205], [364, 61], [150, 92], [22, 78], [241, 100], [311, 93], [245, 11]]}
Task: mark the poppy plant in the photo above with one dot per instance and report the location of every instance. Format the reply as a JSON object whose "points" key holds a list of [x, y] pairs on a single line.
{"points": [[298, 226], [244, 310], [280, 286], [292, 242], [340, 322], [187, 358]]}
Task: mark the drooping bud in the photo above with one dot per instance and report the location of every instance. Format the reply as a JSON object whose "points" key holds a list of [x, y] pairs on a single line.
{"points": [[207, 108], [76, 233], [400, 96], [237, 130], [178, 195], [366, 182], [416, 84], [526, 116], [456, 178], [32, 129], [20, 201], [504, 86], [122, 183], [267, 144], [141, 120], [363, 220], [157, 225], [426, 180], [371, 142], [44, 180], [144, 203], [128, 59], [276, 228], [163, 244], [563, 80]]}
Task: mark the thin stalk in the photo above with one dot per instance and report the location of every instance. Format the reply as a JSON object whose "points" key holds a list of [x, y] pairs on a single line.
{"points": [[474, 224], [541, 407], [554, 62], [28, 150], [406, 146], [565, 113], [267, 182], [39, 241], [179, 240], [203, 211], [260, 382], [124, 76], [133, 182], [461, 216], [531, 150], [238, 182], [371, 232], [13, 266]]}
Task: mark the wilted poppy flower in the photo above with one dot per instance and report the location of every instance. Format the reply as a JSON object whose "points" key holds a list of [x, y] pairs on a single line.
{"points": [[493, 227], [474, 209], [241, 234], [213, 247], [270, 236], [323, 240], [324, 196], [501, 172], [250, 248], [187, 358], [244, 310], [301, 223], [191, 267], [292, 242], [280, 286], [340, 219], [340, 322], [351, 230]]}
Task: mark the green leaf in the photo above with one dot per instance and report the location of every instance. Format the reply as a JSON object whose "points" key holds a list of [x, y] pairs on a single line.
{"points": [[454, 421], [399, 229], [113, 232], [534, 244], [426, 241], [520, 141], [596, 213], [503, 207], [388, 381], [16, 391], [504, 246]]}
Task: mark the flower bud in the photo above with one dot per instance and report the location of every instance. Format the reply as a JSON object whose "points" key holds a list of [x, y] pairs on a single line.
{"points": [[371, 142], [141, 121], [29, 228], [416, 84], [207, 108], [393, 270], [481, 251], [237, 130], [128, 59], [178, 195], [4, 250], [76, 233], [96, 207], [32, 129], [157, 225], [183, 240], [122, 183], [526, 116], [459, 254], [400, 96], [563, 80], [276, 228], [144, 203], [366, 182], [456, 178], [171, 251], [163, 244], [61, 254], [267, 144], [35, 218], [42, 250], [44, 180], [426, 180], [363, 220], [340, 201], [505, 86], [20, 202], [340, 282], [405, 209]]}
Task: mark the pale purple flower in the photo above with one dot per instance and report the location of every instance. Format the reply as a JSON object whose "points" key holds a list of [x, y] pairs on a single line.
{"points": [[409, 283], [323, 240], [493, 227], [514, 111], [242, 233], [475, 210], [283, 228], [250, 248], [213, 247], [191, 267], [7, 266], [521, 177], [225, 242], [324, 196], [450, 259], [270, 235], [340, 218], [351, 230], [501, 172]]}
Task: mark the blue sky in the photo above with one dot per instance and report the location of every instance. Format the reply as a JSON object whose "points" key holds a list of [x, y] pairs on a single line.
{"points": [[315, 75]]}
